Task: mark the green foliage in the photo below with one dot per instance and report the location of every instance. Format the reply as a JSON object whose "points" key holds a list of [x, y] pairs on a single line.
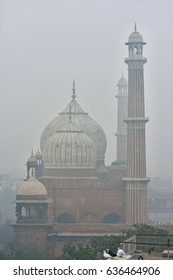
{"points": [[155, 238], [14, 251], [148, 229], [92, 251], [7, 208], [6, 233]]}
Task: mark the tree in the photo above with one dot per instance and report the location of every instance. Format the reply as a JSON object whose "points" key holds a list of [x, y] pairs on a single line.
{"points": [[147, 234], [15, 251], [7, 208], [152, 237], [6, 233], [92, 251]]}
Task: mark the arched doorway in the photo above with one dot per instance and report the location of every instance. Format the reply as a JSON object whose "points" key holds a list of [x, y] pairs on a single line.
{"points": [[65, 218], [89, 218], [112, 218]]}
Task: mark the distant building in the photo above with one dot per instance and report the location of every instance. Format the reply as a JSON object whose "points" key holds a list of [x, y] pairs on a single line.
{"points": [[9, 182], [160, 202], [70, 195]]}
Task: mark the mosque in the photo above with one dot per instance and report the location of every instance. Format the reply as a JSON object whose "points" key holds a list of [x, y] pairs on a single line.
{"points": [[69, 194]]}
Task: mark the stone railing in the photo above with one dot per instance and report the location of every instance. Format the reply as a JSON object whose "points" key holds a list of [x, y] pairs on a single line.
{"points": [[129, 245]]}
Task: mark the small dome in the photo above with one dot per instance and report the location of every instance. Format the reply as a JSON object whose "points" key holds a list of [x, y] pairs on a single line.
{"points": [[69, 148], [32, 187], [122, 82], [32, 159], [135, 37], [38, 155]]}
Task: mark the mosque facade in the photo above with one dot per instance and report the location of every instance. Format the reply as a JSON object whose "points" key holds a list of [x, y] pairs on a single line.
{"points": [[69, 194]]}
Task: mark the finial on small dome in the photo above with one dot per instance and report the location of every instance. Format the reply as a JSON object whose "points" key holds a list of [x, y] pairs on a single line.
{"points": [[32, 172], [135, 27], [74, 90], [122, 74], [32, 153]]}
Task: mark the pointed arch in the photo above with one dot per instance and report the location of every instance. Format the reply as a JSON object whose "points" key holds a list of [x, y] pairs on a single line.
{"points": [[112, 218], [89, 217], [65, 218]]}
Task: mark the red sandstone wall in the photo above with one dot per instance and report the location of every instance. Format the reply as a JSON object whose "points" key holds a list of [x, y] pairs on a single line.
{"points": [[31, 234], [87, 200]]}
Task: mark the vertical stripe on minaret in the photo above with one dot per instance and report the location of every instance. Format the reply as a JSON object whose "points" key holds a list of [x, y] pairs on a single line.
{"points": [[121, 125], [136, 180]]}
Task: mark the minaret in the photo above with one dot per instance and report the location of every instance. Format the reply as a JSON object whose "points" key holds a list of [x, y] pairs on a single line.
{"points": [[121, 125], [136, 180]]}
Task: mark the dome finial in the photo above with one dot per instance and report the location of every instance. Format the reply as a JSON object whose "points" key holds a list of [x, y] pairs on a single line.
{"points": [[74, 90], [122, 74], [70, 112], [32, 172], [135, 27]]}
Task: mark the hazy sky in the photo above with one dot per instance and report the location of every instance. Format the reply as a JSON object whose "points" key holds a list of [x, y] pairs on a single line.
{"points": [[44, 44]]}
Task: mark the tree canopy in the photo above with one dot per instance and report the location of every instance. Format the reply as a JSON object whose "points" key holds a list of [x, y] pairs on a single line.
{"points": [[92, 251], [147, 237], [15, 251]]}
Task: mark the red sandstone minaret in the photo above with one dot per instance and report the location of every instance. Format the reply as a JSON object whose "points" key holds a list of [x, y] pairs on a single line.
{"points": [[136, 179]]}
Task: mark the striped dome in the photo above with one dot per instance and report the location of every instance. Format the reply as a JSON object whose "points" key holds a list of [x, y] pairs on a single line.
{"points": [[83, 121], [69, 148]]}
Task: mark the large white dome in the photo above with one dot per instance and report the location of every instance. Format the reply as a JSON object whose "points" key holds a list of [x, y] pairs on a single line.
{"points": [[83, 121], [69, 148]]}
